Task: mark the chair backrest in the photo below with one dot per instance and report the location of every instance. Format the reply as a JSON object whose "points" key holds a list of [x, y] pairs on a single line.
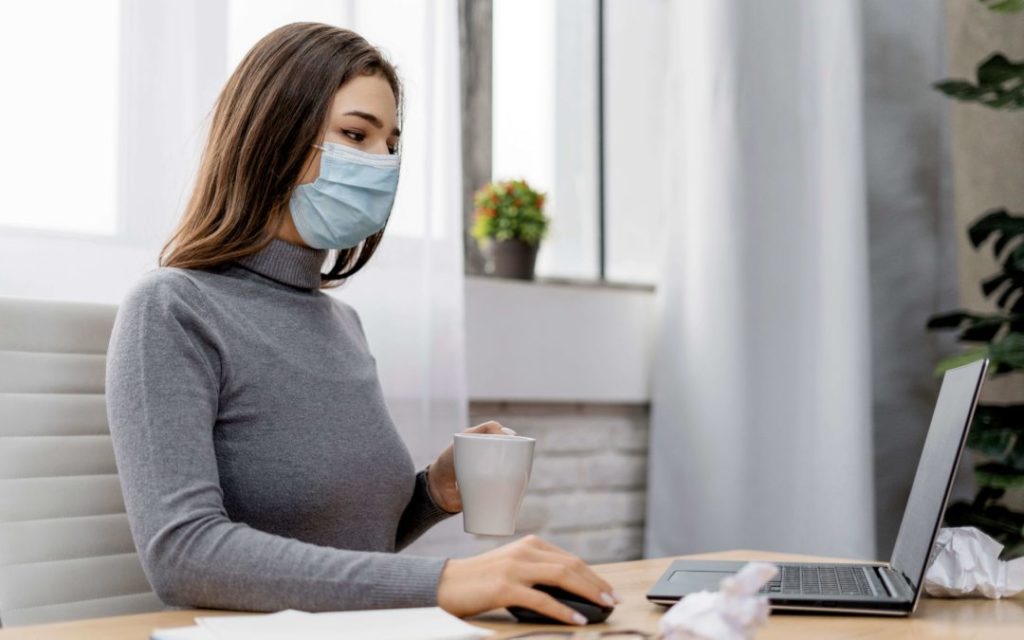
{"points": [[65, 548]]}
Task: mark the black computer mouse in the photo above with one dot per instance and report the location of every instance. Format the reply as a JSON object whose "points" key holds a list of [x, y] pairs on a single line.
{"points": [[590, 610]]}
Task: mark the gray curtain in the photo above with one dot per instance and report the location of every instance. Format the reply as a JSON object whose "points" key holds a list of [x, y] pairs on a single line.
{"points": [[761, 399]]}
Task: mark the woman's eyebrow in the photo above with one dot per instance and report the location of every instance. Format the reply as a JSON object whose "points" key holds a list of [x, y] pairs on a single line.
{"points": [[374, 120]]}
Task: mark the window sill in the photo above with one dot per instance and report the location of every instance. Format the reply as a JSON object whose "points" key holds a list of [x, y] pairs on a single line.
{"points": [[557, 341], [570, 282]]}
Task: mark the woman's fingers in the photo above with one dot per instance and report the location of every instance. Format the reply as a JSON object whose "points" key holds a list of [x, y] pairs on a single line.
{"points": [[566, 577], [491, 426], [544, 604], [506, 576], [537, 543], [599, 585]]}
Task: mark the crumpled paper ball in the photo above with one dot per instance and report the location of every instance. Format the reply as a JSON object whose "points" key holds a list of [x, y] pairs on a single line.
{"points": [[734, 612], [965, 562]]}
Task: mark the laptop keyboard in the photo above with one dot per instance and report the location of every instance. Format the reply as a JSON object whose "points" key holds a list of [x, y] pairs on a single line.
{"points": [[824, 580]]}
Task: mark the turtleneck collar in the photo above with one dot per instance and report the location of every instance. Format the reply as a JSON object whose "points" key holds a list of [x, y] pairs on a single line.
{"points": [[288, 263]]}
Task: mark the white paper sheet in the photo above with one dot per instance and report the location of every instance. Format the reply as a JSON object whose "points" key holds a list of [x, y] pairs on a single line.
{"points": [[965, 562], [196, 632], [424, 623], [181, 633]]}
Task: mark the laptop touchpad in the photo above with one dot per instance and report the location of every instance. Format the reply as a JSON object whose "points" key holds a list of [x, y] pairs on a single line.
{"points": [[697, 580]]}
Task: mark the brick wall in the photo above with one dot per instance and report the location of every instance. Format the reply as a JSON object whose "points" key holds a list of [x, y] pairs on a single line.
{"points": [[588, 486]]}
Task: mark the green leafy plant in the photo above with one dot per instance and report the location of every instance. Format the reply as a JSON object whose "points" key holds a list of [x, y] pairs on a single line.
{"points": [[1005, 6], [507, 210], [999, 84], [997, 432]]}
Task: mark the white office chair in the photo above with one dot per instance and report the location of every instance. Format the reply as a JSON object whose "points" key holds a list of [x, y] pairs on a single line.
{"points": [[65, 548]]}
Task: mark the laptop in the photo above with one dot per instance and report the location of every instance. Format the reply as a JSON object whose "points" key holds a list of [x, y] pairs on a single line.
{"points": [[891, 588]]}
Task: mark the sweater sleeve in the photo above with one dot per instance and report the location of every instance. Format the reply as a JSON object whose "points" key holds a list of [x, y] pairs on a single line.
{"points": [[162, 386], [420, 514]]}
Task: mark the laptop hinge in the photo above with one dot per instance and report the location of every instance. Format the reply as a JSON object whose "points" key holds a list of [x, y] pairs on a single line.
{"points": [[910, 585], [889, 586], [887, 574]]}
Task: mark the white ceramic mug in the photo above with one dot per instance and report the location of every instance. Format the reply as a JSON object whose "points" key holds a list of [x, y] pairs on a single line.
{"points": [[492, 471]]}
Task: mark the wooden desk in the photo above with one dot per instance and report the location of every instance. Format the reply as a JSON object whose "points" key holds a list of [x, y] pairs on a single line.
{"points": [[935, 618]]}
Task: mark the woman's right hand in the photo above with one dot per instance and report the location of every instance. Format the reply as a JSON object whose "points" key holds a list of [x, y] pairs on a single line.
{"points": [[504, 577]]}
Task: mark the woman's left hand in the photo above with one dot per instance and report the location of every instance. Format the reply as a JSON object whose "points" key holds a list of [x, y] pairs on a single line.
{"points": [[441, 474]]}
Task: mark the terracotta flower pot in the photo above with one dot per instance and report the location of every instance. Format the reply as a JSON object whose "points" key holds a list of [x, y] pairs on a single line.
{"points": [[513, 258]]}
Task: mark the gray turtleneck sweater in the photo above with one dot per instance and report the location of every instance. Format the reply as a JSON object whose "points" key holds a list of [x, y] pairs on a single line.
{"points": [[260, 467]]}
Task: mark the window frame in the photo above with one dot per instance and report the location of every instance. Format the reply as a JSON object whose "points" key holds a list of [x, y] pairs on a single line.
{"points": [[476, 55]]}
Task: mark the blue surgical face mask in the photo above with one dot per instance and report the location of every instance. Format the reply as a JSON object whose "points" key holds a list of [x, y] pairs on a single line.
{"points": [[350, 201]]}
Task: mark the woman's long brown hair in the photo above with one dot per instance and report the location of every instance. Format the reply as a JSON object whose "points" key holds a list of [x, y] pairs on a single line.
{"points": [[273, 107]]}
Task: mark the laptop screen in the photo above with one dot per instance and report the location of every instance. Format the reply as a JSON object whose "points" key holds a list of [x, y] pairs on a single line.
{"points": [[937, 468]]}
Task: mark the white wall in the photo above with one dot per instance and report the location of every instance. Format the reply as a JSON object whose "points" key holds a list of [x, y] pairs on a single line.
{"points": [[557, 343]]}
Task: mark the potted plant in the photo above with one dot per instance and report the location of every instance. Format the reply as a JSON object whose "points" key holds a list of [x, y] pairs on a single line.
{"points": [[509, 224], [997, 432]]}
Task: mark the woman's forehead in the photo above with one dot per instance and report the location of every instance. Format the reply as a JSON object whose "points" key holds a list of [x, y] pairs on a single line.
{"points": [[369, 94]]}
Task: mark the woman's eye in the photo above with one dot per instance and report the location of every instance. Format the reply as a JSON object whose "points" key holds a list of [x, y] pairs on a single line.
{"points": [[355, 135]]}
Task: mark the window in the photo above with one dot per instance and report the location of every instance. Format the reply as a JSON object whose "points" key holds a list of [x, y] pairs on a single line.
{"points": [[545, 128], [551, 63], [60, 125]]}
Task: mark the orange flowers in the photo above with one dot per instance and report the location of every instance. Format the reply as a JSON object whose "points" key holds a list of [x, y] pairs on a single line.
{"points": [[509, 209]]}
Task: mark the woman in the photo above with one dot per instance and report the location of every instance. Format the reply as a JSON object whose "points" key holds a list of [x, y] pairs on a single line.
{"points": [[260, 467]]}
